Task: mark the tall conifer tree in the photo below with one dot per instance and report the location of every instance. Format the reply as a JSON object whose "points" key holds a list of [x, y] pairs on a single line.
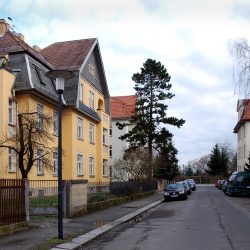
{"points": [[152, 91]]}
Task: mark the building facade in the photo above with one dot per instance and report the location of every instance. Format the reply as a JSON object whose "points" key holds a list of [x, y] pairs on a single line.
{"points": [[24, 87], [122, 108], [242, 129]]}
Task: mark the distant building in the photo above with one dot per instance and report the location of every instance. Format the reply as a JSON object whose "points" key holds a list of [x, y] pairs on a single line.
{"points": [[122, 108], [24, 87], [242, 129]]}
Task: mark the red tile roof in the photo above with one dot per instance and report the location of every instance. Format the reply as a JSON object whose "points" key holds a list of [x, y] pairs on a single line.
{"points": [[123, 106], [68, 55], [245, 114]]}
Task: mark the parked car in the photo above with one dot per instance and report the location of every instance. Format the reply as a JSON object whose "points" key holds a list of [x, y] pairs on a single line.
{"points": [[224, 187], [175, 191], [187, 187], [221, 184], [238, 184], [217, 183], [191, 183]]}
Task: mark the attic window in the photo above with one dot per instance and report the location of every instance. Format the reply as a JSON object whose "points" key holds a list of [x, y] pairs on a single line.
{"points": [[92, 70], [40, 75]]}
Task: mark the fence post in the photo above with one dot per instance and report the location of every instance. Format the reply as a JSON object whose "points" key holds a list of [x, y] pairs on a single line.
{"points": [[27, 199]]}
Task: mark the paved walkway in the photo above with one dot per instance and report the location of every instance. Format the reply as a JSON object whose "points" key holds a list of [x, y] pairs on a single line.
{"points": [[101, 220]]}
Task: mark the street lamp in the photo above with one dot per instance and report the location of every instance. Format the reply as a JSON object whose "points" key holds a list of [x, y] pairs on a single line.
{"points": [[60, 76]]}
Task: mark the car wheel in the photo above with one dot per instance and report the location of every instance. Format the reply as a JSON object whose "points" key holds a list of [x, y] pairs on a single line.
{"points": [[166, 199], [184, 197]]}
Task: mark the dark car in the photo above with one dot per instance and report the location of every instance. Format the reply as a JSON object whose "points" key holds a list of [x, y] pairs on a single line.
{"points": [[188, 187], [175, 191], [224, 187], [191, 183], [238, 184], [221, 183]]}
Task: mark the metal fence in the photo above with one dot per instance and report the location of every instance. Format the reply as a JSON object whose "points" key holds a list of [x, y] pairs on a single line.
{"points": [[43, 196], [12, 201], [103, 191]]}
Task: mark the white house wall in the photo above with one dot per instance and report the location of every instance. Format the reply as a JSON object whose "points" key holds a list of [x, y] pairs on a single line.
{"points": [[243, 138]]}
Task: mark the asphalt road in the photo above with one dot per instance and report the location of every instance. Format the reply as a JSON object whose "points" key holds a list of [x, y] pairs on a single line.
{"points": [[207, 220]]}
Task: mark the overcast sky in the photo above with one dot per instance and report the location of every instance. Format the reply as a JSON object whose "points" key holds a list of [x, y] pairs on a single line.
{"points": [[190, 37]]}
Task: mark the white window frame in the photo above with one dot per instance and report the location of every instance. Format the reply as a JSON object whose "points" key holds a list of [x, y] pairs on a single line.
{"points": [[39, 109], [12, 113], [79, 164], [55, 123], [55, 162], [11, 158], [81, 92], [91, 133], [91, 99], [105, 136], [91, 166], [40, 169], [105, 167], [79, 128]]}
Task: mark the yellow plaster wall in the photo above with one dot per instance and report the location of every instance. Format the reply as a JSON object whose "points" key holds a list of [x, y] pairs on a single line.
{"points": [[6, 82]]}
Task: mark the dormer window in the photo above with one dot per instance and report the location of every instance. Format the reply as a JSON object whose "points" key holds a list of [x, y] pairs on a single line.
{"points": [[92, 70], [40, 75]]}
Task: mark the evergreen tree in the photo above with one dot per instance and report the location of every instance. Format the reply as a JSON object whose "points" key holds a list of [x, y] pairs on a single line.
{"points": [[219, 161], [214, 161], [166, 163], [152, 90], [189, 170]]}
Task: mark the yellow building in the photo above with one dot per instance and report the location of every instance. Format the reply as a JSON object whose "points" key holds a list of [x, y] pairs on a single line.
{"points": [[86, 109]]}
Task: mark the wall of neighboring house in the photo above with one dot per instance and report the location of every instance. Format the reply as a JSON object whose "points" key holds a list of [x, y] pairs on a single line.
{"points": [[6, 82], [118, 146], [243, 146]]}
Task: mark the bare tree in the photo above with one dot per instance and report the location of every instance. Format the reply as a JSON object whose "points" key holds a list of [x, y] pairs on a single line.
{"points": [[134, 165], [30, 140], [240, 50]]}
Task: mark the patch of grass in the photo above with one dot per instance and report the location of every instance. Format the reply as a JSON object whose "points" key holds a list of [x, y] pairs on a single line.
{"points": [[44, 201], [96, 197]]}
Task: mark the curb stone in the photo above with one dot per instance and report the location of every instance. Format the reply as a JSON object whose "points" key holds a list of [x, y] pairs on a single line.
{"points": [[83, 239]]}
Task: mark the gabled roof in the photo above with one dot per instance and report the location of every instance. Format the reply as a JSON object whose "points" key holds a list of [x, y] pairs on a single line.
{"points": [[245, 116], [10, 42], [123, 106], [68, 55]]}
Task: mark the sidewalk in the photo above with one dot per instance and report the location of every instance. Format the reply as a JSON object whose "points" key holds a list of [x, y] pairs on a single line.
{"points": [[102, 220]]}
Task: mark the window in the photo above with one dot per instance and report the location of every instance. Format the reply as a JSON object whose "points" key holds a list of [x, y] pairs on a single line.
{"points": [[55, 123], [79, 128], [39, 110], [91, 100], [91, 166], [91, 133], [91, 70], [79, 164], [55, 163], [110, 131], [110, 151], [12, 112], [105, 168], [40, 161], [40, 75], [81, 92], [105, 136], [11, 165]]}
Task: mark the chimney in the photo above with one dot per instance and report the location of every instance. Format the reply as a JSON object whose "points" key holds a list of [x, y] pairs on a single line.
{"points": [[36, 48], [21, 36], [4, 27]]}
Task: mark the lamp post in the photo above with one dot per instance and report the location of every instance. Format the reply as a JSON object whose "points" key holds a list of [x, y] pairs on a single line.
{"points": [[60, 76]]}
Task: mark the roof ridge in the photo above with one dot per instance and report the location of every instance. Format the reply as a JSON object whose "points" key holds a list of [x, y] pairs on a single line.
{"points": [[27, 47], [122, 96], [94, 38]]}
